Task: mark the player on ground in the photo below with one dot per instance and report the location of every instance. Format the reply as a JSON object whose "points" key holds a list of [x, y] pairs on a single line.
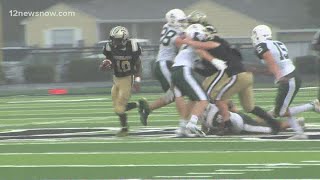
{"points": [[275, 56], [123, 56], [238, 123], [186, 85], [222, 85], [170, 42]]}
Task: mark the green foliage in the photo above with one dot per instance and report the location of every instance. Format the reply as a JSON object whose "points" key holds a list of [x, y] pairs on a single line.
{"points": [[39, 73], [84, 70]]}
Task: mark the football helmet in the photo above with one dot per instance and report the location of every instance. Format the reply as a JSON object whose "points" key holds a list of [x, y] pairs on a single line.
{"points": [[177, 18], [197, 17], [260, 33], [197, 32], [211, 30], [119, 35]]}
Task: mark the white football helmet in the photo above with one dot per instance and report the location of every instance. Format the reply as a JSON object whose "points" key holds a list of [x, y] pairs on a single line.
{"points": [[176, 18], [261, 33], [119, 35], [196, 32]]}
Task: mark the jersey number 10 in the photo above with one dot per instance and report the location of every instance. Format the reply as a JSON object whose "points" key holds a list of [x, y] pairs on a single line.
{"points": [[123, 66]]}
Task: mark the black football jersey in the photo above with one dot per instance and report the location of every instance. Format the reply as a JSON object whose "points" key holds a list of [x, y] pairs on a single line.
{"points": [[230, 55], [123, 58]]}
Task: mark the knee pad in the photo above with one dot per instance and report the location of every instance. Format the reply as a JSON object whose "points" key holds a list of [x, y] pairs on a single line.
{"points": [[168, 96]]}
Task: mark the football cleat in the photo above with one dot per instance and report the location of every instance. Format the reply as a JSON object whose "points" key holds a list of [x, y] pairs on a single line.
{"points": [[194, 129], [183, 132], [144, 111], [316, 105], [299, 137], [123, 132]]}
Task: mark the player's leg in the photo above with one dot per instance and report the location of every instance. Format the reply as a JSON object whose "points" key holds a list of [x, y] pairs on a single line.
{"points": [[163, 75], [246, 97], [229, 87], [286, 94], [196, 94], [213, 84], [251, 125], [124, 85]]}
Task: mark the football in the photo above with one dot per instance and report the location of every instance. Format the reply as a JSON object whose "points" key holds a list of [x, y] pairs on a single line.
{"points": [[105, 65]]}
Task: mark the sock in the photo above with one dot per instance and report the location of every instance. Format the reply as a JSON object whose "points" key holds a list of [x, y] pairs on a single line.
{"points": [[131, 105], [183, 123], [295, 125], [264, 115], [123, 120], [194, 119], [298, 109], [261, 129]]}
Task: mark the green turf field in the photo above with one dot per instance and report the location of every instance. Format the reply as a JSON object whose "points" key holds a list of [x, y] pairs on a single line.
{"points": [[72, 137]]}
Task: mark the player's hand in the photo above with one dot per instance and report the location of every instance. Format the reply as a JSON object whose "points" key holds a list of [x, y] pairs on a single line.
{"points": [[136, 84], [219, 64], [105, 65]]}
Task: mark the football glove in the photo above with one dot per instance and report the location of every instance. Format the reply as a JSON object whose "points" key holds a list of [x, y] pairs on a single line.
{"points": [[219, 64]]}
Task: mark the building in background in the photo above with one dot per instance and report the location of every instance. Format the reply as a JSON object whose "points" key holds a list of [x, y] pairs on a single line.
{"points": [[94, 19]]}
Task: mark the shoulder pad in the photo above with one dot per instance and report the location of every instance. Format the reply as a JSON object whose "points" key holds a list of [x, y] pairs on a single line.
{"points": [[135, 45]]}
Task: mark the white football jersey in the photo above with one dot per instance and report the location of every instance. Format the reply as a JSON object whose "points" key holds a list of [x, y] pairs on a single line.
{"points": [[186, 56], [168, 49], [279, 52]]}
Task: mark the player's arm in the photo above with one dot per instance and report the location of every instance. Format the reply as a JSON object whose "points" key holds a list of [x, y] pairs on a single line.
{"points": [[138, 68], [272, 66], [138, 64], [201, 45], [264, 53], [218, 63], [106, 64], [179, 41], [257, 69]]}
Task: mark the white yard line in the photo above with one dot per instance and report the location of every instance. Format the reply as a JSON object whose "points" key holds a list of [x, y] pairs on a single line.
{"points": [[207, 173], [131, 141], [156, 152], [244, 170], [276, 167], [312, 161], [147, 165], [182, 176]]}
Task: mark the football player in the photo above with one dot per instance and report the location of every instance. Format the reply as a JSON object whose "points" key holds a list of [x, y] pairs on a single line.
{"points": [[238, 122], [170, 42], [185, 84], [123, 56], [275, 55], [222, 85]]}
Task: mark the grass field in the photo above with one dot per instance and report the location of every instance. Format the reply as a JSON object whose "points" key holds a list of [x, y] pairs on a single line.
{"points": [[72, 137]]}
